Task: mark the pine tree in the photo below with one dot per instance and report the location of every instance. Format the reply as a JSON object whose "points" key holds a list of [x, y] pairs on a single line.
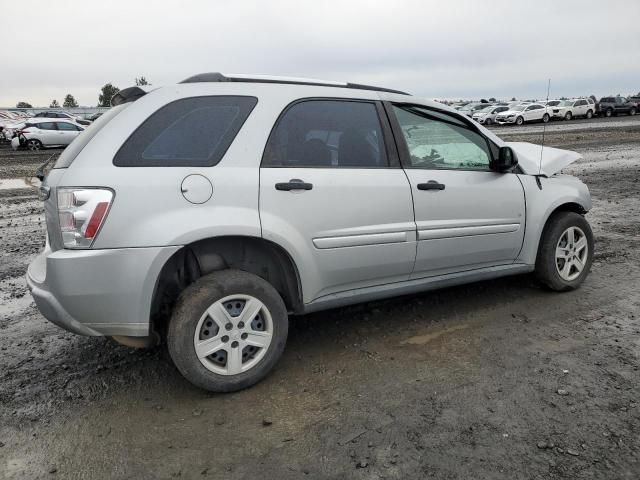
{"points": [[107, 93], [69, 101]]}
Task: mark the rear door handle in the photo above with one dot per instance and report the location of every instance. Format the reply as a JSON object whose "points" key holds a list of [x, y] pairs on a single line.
{"points": [[294, 184], [431, 185]]}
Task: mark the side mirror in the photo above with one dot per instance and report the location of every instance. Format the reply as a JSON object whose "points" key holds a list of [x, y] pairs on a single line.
{"points": [[507, 160]]}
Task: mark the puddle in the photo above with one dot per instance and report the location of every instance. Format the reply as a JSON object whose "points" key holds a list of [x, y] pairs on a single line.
{"points": [[424, 339], [14, 183]]}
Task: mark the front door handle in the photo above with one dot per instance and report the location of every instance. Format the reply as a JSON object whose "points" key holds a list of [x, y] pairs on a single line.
{"points": [[431, 185], [294, 184]]}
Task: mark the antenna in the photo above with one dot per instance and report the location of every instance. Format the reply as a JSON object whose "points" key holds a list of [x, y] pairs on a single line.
{"points": [[544, 125]]}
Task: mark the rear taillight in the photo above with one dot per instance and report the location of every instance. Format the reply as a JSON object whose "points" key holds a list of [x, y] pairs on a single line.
{"points": [[82, 212]]}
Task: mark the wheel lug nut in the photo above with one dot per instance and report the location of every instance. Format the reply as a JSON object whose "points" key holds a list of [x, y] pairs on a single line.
{"points": [[228, 326], [244, 336], [225, 339], [241, 325], [234, 344]]}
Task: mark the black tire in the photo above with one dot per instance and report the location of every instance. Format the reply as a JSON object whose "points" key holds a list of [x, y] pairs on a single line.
{"points": [[519, 121], [545, 118], [568, 116], [488, 121], [546, 269], [191, 305], [632, 111], [589, 114], [608, 112], [34, 144]]}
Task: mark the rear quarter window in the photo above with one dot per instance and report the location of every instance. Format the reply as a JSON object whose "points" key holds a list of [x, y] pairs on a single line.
{"points": [[194, 132]]}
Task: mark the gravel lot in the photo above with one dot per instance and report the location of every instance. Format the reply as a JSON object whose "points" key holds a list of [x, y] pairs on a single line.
{"points": [[494, 380]]}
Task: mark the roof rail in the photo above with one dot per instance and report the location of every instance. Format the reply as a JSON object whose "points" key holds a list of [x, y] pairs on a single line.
{"points": [[219, 77]]}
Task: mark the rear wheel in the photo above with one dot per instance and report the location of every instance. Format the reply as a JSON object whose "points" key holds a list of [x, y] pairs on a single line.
{"points": [[589, 114], [568, 116], [228, 331], [632, 111], [545, 118], [33, 144], [565, 252], [519, 121]]}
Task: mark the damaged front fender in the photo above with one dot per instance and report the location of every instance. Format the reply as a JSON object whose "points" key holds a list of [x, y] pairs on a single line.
{"points": [[538, 160]]}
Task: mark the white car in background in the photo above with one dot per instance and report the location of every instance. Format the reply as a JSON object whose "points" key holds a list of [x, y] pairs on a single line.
{"points": [[576, 107], [524, 113], [487, 115], [37, 134], [470, 108]]}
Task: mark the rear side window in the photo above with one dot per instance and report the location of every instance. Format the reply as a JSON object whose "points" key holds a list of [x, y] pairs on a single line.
{"points": [[327, 133], [46, 126], [194, 132], [67, 126]]}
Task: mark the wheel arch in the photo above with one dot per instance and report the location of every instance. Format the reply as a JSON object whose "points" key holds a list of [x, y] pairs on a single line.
{"points": [[256, 255], [568, 206]]}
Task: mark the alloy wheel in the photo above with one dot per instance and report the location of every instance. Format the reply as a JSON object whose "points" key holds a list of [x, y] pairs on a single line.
{"points": [[572, 252]]}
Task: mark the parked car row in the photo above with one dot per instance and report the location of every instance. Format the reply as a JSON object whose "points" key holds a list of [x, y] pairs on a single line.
{"points": [[519, 113], [45, 129]]}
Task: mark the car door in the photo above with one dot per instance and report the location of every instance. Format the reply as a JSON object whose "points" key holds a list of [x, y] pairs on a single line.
{"points": [[333, 194], [621, 104], [467, 215], [67, 132], [529, 113], [536, 112], [47, 133]]}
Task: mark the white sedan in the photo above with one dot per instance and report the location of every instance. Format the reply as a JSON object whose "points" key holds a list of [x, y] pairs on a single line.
{"points": [[39, 134], [487, 115], [524, 113]]}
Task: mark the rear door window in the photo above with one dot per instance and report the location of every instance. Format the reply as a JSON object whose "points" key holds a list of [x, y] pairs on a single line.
{"points": [[194, 132], [327, 133], [46, 126], [67, 126]]}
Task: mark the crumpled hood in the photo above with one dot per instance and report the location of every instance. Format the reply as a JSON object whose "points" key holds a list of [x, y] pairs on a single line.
{"points": [[553, 159]]}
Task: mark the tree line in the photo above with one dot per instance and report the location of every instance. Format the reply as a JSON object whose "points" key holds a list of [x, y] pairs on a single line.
{"points": [[107, 92]]}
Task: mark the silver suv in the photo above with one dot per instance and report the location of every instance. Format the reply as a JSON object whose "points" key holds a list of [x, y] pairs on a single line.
{"points": [[205, 213]]}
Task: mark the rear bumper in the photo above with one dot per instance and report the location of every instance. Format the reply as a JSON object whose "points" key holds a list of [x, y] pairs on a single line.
{"points": [[97, 292]]}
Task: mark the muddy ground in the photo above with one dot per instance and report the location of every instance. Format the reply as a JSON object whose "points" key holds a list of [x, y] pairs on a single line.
{"points": [[494, 380]]}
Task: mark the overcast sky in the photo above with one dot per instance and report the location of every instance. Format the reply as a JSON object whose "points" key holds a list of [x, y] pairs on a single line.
{"points": [[436, 49]]}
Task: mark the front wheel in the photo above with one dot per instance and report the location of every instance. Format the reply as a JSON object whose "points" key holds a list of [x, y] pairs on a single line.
{"points": [[33, 144], [565, 252], [228, 330], [568, 116], [608, 112], [589, 114], [519, 121], [632, 111], [488, 121]]}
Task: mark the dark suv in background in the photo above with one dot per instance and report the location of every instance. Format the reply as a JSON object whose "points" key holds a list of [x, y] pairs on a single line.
{"points": [[609, 106]]}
